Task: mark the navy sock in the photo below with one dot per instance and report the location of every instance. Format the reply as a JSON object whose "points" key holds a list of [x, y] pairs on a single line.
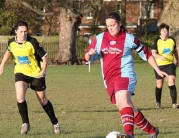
{"points": [[50, 112], [173, 94], [23, 111], [158, 94]]}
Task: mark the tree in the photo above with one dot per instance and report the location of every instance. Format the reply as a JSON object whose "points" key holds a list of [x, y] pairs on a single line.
{"points": [[148, 6], [71, 12], [7, 19], [11, 13]]}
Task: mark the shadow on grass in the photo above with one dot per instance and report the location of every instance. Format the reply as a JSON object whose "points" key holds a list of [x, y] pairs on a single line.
{"points": [[96, 137], [153, 108], [95, 111], [42, 133]]}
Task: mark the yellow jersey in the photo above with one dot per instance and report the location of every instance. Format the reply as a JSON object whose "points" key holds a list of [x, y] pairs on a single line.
{"points": [[166, 49], [27, 55]]}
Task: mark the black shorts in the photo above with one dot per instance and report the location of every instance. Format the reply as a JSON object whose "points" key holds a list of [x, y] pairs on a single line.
{"points": [[36, 84], [170, 69]]}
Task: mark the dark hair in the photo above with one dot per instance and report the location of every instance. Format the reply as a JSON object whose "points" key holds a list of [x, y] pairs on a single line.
{"points": [[162, 26], [113, 15], [20, 23], [116, 16]]}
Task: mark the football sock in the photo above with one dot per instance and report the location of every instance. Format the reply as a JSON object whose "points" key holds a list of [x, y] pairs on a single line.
{"points": [[143, 124], [23, 111], [173, 93], [127, 116], [50, 112], [158, 93]]}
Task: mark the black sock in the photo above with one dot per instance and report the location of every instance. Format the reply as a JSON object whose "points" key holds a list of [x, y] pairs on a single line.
{"points": [[173, 94], [158, 94], [50, 112], [23, 111]]}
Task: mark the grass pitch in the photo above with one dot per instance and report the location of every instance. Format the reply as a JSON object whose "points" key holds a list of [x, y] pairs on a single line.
{"points": [[82, 105]]}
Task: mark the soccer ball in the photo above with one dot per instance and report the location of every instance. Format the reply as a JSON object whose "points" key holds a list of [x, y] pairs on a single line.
{"points": [[113, 134]]}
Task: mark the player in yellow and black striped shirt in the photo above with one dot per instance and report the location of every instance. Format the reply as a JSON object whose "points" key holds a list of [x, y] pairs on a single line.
{"points": [[164, 50], [30, 70], [28, 56]]}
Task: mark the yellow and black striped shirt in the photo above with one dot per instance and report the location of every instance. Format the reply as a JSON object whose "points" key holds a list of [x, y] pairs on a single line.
{"points": [[166, 49], [28, 56]]}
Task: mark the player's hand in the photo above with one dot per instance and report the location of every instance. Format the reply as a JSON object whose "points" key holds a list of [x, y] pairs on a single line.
{"points": [[92, 51], [43, 73], [176, 64], [1, 70], [163, 75], [162, 58]]}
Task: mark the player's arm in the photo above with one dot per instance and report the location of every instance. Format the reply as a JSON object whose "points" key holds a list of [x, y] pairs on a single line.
{"points": [[4, 60], [155, 55], [89, 54], [145, 54], [42, 54], [175, 52], [153, 63], [155, 52], [141, 50], [90, 51], [44, 65], [176, 56]]}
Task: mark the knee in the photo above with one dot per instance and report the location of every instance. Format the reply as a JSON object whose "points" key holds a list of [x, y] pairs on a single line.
{"points": [[121, 105], [159, 85], [43, 101], [20, 98], [171, 82]]}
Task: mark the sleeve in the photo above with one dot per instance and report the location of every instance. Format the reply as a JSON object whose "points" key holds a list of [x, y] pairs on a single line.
{"points": [[8, 47], [174, 43], [92, 45], [154, 45], [142, 51], [8, 44], [38, 48]]}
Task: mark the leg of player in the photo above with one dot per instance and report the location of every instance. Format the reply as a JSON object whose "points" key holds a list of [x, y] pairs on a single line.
{"points": [[158, 92], [173, 91], [21, 88], [131, 116], [125, 106], [47, 106]]}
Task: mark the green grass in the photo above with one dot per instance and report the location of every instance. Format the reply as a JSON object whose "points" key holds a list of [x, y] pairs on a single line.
{"points": [[82, 105]]}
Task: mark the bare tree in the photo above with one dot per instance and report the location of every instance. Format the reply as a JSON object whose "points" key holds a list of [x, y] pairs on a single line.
{"points": [[148, 6], [71, 12]]}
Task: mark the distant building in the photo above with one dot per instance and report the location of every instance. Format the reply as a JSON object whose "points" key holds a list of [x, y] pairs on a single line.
{"points": [[134, 15]]}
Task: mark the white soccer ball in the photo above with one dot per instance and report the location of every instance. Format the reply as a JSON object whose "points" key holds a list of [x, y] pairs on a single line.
{"points": [[113, 134]]}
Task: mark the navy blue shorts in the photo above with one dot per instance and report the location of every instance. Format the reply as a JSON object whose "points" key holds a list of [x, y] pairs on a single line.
{"points": [[36, 84], [170, 69]]}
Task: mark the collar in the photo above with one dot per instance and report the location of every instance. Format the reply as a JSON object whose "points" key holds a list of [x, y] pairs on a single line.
{"points": [[163, 39], [18, 42]]}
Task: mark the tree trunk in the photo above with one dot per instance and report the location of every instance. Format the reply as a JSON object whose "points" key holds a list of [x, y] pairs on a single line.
{"points": [[67, 37], [123, 13]]}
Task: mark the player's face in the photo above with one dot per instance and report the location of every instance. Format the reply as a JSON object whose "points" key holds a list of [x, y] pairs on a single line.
{"points": [[113, 26], [21, 33], [164, 33]]}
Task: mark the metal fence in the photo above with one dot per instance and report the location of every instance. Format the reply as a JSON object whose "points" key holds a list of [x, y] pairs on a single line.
{"points": [[51, 46], [3, 47]]}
